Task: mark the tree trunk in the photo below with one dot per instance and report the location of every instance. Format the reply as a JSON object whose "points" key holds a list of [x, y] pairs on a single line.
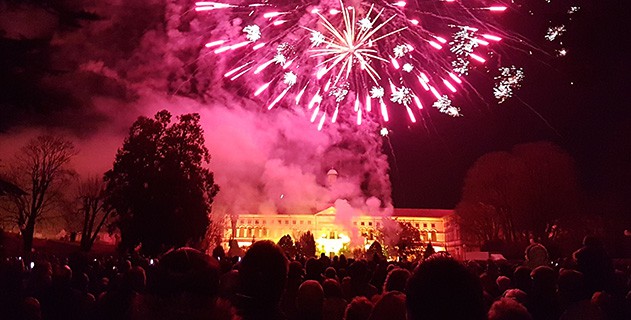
{"points": [[27, 237], [86, 244]]}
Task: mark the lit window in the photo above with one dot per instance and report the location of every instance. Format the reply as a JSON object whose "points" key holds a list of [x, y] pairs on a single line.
{"points": [[417, 225], [249, 221], [433, 225], [256, 222], [242, 221], [362, 223], [370, 223], [264, 221], [293, 221], [308, 222], [280, 222], [424, 225], [302, 222], [286, 221]]}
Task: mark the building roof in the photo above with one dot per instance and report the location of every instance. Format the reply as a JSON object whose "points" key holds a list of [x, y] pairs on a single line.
{"points": [[421, 213], [397, 213]]}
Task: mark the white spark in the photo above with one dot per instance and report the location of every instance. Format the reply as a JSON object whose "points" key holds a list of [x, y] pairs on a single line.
{"points": [[555, 32], [364, 23], [384, 132], [407, 67], [443, 104], [562, 52], [253, 32], [377, 92], [402, 95], [510, 78], [573, 9], [340, 92], [453, 111], [317, 38], [400, 50], [290, 78], [462, 46], [460, 66], [279, 58]]}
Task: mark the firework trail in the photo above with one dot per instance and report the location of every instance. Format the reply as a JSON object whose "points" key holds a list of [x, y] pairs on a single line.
{"points": [[356, 58]]}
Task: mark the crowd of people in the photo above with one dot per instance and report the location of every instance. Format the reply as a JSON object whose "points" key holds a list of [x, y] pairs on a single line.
{"points": [[265, 284]]}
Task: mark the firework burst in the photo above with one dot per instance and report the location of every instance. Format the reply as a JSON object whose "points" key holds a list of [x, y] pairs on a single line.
{"points": [[342, 58]]}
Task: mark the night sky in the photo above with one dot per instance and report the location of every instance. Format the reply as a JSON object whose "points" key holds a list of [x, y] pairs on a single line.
{"points": [[583, 106], [580, 102]]}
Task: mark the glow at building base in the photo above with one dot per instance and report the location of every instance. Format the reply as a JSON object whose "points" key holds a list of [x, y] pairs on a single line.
{"points": [[326, 245]]}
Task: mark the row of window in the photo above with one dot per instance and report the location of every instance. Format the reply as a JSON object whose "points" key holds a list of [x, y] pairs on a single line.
{"points": [[279, 221], [250, 233], [418, 225], [308, 222], [264, 233]]}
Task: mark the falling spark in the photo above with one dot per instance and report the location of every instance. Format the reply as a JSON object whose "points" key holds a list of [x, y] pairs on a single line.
{"points": [[510, 78], [443, 104], [555, 32]]}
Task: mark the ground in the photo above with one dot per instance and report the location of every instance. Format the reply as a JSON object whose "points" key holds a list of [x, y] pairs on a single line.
{"points": [[13, 246]]}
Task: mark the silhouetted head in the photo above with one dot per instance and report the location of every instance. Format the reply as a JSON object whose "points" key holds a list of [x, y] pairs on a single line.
{"points": [[358, 271], [503, 283], [543, 280], [359, 309], [332, 288], [442, 288], [390, 307], [31, 309], [330, 273], [135, 279], [517, 295], [572, 286], [521, 278], [396, 280], [63, 276], [313, 269], [508, 309], [309, 300], [188, 270], [262, 275], [295, 271]]}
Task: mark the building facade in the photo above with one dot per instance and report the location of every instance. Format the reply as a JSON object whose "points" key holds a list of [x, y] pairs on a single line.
{"points": [[333, 233]]}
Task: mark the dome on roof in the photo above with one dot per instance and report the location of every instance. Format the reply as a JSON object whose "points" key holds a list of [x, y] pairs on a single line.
{"points": [[332, 172]]}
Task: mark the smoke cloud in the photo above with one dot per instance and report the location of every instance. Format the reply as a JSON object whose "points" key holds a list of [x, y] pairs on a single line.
{"points": [[139, 57]]}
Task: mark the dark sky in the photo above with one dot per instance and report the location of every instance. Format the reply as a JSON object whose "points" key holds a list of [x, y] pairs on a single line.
{"points": [[580, 102]]}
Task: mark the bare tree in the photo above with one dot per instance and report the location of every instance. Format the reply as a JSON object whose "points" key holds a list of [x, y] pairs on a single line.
{"points": [[93, 209], [41, 170]]}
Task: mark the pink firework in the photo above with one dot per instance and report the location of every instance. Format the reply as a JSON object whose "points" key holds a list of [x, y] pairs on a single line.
{"points": [[354, 58]]}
